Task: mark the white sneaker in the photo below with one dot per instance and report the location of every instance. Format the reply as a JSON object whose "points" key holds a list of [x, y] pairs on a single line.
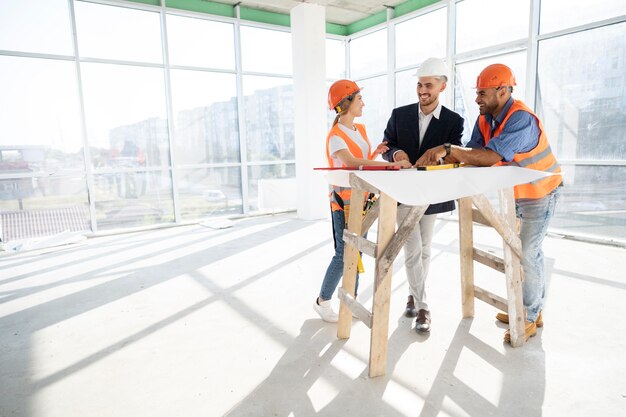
{"points": [[325, 311]]}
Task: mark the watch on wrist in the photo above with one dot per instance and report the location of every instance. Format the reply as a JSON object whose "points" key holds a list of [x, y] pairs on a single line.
{"points": [[447, 147]]}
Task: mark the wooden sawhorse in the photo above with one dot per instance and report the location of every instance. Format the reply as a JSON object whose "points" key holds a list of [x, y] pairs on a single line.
{"points": [[388, 244]]}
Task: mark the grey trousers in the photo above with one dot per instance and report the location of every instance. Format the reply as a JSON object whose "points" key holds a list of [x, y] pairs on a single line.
{"points": [[417, 255]]}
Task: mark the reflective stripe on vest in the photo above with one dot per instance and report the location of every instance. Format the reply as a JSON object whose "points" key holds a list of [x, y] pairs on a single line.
{"points": [[539, 158], [355, 150]]}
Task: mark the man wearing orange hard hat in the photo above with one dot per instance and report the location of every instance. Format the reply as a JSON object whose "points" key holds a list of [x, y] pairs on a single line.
{"points": [[507, 132]]}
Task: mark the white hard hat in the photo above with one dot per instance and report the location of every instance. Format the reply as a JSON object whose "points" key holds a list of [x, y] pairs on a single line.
{"points": [[432, 67]]}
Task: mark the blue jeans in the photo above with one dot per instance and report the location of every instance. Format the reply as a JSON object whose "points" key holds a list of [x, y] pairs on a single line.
{"points": [[535, 215], [335, 269]]}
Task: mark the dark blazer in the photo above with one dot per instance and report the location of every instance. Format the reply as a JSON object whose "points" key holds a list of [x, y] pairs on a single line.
{"points": [[402, 133]]}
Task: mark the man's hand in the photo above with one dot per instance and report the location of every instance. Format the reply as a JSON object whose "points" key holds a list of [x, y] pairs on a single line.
{"points": [[405, 163], [400, 156], [431, 156], [381, 148]]}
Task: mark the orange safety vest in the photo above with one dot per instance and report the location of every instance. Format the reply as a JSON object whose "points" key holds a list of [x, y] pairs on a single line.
{"points": [[539, 158], [355, 150]]}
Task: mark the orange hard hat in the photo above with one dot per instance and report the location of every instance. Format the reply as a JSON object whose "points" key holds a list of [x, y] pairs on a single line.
{"points": [[494, 76], [339, 91]]}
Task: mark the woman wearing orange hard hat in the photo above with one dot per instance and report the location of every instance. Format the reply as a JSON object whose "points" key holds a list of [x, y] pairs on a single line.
{"points": [[347, 145]]}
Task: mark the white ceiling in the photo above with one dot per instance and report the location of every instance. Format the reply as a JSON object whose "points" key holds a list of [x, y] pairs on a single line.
{"points": [[342, 12]]}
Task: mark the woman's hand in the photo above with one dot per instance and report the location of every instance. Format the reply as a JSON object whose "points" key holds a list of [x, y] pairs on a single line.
{"points": [[381, 148], [402, 163]]}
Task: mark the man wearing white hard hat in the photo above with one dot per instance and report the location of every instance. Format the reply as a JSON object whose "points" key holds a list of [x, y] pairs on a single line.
{"points": [[412, 130]]}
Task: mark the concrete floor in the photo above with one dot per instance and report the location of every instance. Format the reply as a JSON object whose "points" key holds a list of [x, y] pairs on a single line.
{"points": [[193, 321]]}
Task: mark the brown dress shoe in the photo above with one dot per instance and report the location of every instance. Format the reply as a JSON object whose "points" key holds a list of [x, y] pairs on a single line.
{"points": [[504, 318], [529, 331], [422, 323], [410, 310]]}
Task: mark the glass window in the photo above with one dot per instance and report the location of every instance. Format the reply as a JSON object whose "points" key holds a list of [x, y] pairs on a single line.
{"points": [[465, 93], [431, 28], [580, 94], [375, 113], [111, 32], [40, 115], [368, 54], [207, 192], [483, 23], [132, 199], [260, 181], [592, 201], [125, 116], [269, 117], [335, 59], [265, 50], [36, 26], [553, 17], [200, 43], [205, 117]]}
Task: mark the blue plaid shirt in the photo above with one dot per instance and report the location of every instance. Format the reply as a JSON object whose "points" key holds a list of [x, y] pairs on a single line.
{"points": [[520, 134]]}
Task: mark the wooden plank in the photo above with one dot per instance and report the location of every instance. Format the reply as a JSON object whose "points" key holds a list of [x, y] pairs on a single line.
{"points": [[350, 262], [477, 217], [356, 182], [362, 244], [466, 253], [382, 290], [490, 298], [388, 256], [357, 308], [513, 272], [488, 259], [498, 222]]}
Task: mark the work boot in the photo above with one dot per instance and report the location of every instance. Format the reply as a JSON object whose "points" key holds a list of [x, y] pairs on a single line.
{"points": [[529, 331], [504, 318], [410, 310], [324, 309], [422, 323]]}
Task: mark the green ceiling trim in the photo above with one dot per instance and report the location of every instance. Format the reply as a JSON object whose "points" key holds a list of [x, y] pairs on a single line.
{"points": [[335, 29], [201, 6], [368, 22], [411, 6], [263, 16]]}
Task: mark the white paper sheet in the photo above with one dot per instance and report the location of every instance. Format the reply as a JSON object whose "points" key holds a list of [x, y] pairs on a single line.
{"points": [[415, 188]]}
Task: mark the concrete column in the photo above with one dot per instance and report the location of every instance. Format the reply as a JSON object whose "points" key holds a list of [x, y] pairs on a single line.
{"points": [[308, 34]]}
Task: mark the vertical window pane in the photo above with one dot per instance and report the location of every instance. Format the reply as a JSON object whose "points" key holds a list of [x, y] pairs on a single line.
{"points": [[111, 32], [205, 117], [264, 50], [36, 26], [375, 112], [125, 116], [39, 103], [483, 23], [200, 43], [465, 93], [133, 198], [269, 105], [554, 18], [581, 102], [431, 27], [580, 93], [335, 59], [209, 192], [368, 54]]}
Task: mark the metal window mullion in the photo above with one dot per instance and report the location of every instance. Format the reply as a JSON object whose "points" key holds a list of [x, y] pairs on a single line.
{"points": [[91, 192], [170, 111], [532, 55], [243, 141], [391, 60], [451, 53], [581, 28]]}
